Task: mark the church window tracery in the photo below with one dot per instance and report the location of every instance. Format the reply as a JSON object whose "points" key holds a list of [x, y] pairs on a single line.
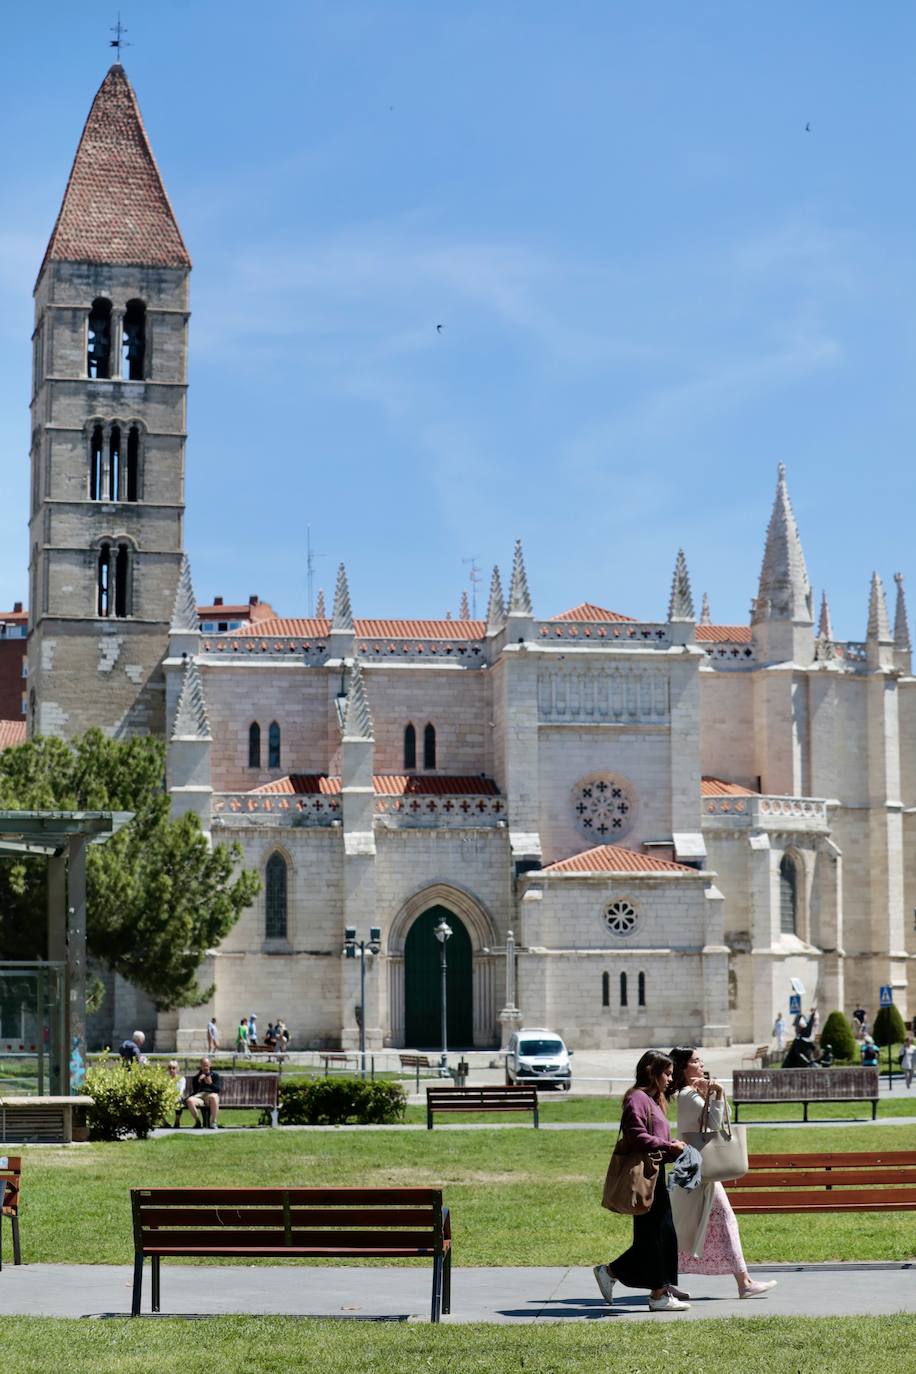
{"points": [[98, 349], [429, 747], [621, 918], [133, 342], [96, 446], [410, 748], [273, 745], [604, 807], [275, 889], [254, 745], [114, 470], [113, 581]]}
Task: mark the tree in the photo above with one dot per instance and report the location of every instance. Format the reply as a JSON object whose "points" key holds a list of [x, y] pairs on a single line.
{"points": [[837, 1033], [889, 1028], [158, 897]]}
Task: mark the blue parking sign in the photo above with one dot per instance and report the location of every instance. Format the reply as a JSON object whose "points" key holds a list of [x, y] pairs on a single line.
{"points": [[887, 995], [795, 1005]]}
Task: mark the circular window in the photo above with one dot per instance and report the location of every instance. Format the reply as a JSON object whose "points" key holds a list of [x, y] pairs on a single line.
{"points": [[604, 807], [621, 918]]}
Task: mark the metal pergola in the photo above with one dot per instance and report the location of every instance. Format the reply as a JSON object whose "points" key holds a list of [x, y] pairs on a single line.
{"points": [[62, 838]]}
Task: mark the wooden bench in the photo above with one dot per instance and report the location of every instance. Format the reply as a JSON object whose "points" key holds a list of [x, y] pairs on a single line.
{"points": [[804, 1086], [246, 1090], [339, 1059], [760, 1056], [279, 1223], [11, 1176], [883, 1181], [511, 1097], [415, 1062]]}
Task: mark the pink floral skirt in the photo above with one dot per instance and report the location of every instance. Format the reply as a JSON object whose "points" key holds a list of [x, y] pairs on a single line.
{"points": [[722, 1253]]}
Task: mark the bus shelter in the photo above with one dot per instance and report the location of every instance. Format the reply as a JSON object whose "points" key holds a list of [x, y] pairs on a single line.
{"points": [[45, 1000]]}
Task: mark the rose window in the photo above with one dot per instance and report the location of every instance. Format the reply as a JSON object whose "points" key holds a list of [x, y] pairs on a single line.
{"points": [[604, 808], [620, 918]]}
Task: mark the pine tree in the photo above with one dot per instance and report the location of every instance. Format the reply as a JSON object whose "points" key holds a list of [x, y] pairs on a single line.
{"points": [[837, 1033]]}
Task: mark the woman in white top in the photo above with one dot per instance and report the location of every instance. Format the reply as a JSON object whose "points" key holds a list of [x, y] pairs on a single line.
{"points": [[707, 1232]]}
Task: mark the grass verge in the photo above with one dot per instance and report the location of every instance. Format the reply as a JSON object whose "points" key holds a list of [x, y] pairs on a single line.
{"points": [[517, 1197], [276, 1345]]}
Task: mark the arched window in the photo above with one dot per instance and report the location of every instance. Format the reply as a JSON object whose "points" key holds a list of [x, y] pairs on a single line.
{"points": [[114, 463], [98, 351], [788, 896], [254, 745], [623, 989], [275, 898], [273, 745], [410, 748], [113, 573], [605, 989], [133, 342], [133, 465], [96, 447], [641, 990], [429, 747], [104, 581]]}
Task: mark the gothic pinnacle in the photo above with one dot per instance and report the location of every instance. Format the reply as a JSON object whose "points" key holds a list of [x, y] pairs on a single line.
{"points": [[320, 611], [496, 609], [464, 610], [784, 591], [878, 624], [901, 622], [342, 614], [705, 617], [519, 595], [357, 720], [191, 721], [184, 612], [824, 625], [680, 604]]}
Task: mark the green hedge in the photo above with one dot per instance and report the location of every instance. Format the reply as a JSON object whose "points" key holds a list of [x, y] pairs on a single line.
{"points": [[338, 1102], [838, 1034], [889, 1028], [128, 1101]]}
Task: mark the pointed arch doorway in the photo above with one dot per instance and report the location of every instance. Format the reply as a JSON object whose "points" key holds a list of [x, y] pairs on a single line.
{"points": [[423, 983]]}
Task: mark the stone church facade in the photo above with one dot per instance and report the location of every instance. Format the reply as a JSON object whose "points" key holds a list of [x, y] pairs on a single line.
{"points": [[660, 824]]}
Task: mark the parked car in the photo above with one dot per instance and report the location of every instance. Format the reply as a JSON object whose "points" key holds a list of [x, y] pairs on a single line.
{"points": [[537, 1055]]}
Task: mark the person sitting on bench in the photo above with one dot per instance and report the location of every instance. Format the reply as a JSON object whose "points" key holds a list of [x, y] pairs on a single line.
{"points": [[204, 1093], [178, 1078]]}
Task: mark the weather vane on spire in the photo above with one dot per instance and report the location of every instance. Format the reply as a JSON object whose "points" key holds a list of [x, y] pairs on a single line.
{"points": [[118, 41]]}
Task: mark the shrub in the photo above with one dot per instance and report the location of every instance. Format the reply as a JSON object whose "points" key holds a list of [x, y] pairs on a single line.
{"points": [[889, 1028], [837, 1033], [128, 1101], [338, 1102]]}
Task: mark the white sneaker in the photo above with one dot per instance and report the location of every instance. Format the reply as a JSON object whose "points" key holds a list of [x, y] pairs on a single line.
{"points": [[667, 1303], [604, 1281], [758, 1288]]}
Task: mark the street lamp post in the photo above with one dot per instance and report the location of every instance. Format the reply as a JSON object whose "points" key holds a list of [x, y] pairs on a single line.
{"points": [[442, 932], [351, 945]]}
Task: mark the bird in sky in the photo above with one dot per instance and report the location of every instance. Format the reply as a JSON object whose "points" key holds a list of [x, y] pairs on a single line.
{"points": [[438, 328], [807, 128]]}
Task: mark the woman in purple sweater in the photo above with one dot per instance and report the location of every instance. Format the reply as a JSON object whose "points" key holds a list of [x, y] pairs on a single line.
{"points": [[651, 1261]]}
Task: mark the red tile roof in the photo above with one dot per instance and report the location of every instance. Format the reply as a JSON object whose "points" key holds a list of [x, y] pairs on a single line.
{"points": [[12, 732], [14, 617], [613, 858], [715, 787], [724, 634], [386, 785], [594, 614], [115, 208], [260, 612], [312, 628]]}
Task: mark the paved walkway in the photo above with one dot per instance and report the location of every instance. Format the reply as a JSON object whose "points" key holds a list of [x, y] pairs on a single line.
{"points": [[478, 1295]]}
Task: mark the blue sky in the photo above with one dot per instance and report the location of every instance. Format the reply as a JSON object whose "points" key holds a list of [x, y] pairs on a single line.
{"points": [[653, 284]]}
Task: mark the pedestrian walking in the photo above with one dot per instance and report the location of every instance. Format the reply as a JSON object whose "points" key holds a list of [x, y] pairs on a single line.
{"points": [[908, 1059], [779, 1031], [212, 1036], [651, 1261], [241, 1037], [252, 1029], [707, 1232]]}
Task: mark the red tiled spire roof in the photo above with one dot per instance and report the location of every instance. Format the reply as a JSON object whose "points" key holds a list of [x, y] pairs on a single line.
{"points": [[724, 634], [115, 208], [613, 858], [12, 732], [385, 785], [595, 614], [718, 787]]}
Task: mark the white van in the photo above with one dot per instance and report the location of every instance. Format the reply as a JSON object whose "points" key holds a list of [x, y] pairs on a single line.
{"points": [[536, 1055]]}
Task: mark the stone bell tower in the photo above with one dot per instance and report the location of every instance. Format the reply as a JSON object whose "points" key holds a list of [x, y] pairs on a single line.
{"points": [[109, 384]]}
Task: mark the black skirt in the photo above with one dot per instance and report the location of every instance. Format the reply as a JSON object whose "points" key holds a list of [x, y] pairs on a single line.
{"points": [[651, 1261]]}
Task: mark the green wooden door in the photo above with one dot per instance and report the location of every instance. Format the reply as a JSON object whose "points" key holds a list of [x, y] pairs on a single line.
{"points": [[423, 984]]}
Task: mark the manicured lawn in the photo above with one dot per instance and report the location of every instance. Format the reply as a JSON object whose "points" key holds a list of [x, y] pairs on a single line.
{"points": [[519, 1197], [277, 1345]]}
